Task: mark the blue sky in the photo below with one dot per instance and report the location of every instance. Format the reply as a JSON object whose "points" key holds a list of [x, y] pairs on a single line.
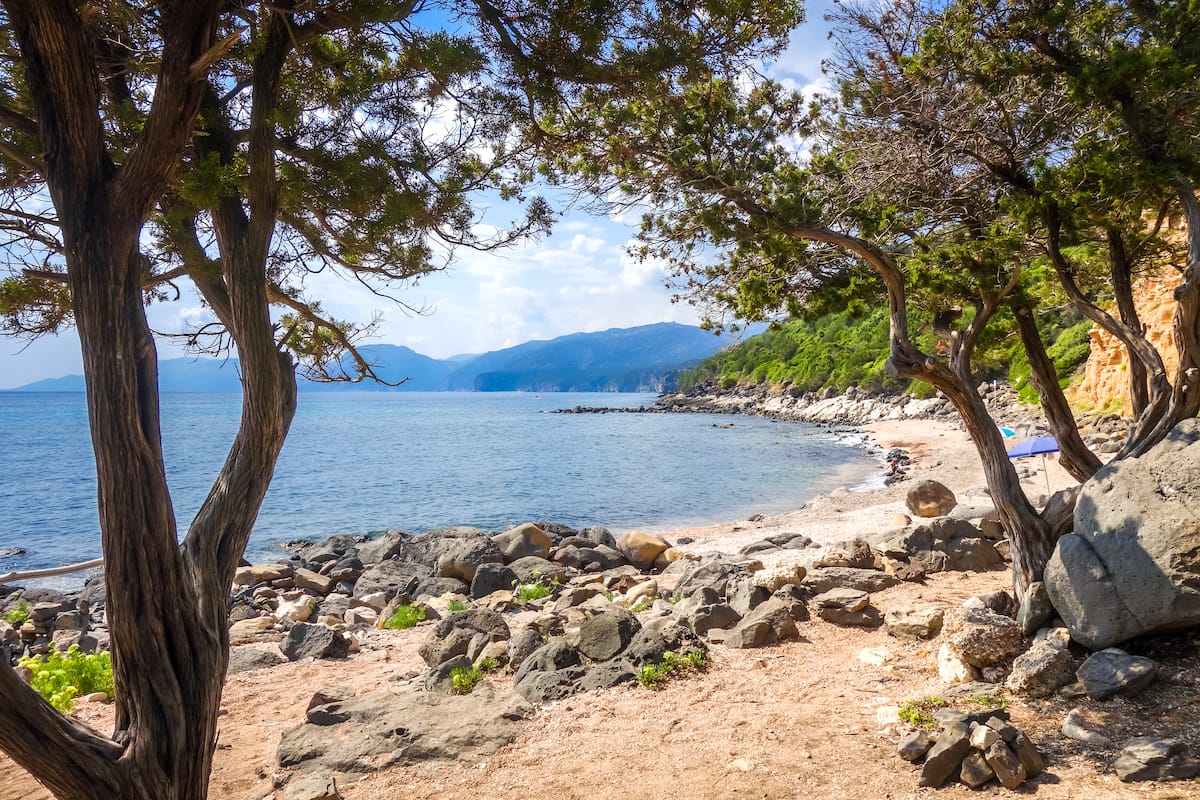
{"points": [[577, 279]]}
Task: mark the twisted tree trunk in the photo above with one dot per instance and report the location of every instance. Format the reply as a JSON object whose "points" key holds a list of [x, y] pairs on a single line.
{"points": [[166, 605]]}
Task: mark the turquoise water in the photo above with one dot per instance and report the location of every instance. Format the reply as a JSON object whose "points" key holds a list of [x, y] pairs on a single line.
{"points": [[355, 463]]}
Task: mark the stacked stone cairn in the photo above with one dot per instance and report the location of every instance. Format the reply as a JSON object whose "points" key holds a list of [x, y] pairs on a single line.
{"points": [[976, 751]]}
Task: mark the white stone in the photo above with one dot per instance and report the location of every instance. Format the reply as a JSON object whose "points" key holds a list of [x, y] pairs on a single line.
{"points": [[952, 669], [983, 737], [298, 610], [875, 656]]}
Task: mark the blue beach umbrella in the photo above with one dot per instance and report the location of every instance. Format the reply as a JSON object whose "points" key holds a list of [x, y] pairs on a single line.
{"points": [[1007, 433], [1037, 446]]}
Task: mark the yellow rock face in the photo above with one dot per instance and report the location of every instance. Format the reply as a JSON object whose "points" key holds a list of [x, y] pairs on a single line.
{"points": [[641, 548], [1105, 384]]}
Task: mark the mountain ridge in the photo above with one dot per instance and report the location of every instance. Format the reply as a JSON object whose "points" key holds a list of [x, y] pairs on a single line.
{"points": [[642, 358]]}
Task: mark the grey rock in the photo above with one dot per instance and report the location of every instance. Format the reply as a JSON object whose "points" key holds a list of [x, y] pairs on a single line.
{"points": [[945, 756], [754, 633], [1041, 671], [391, 578], [777, 613], [382, 548], [312, 787], [438, 678], [930, 499], [492, 577], [743, 595], [1028, 755], [555, 655], [250, 657], [1137, 513], [608, 674], [573, 596], [981, 637], [397, 727], [461, 556], [864, 580], [532, 568], [433, 587], [646, 647], [846, 599], [1148, 759], [545, 687], [313, 641], [1006, 765], [1035, 609], [914, 622], [914, 746], [1076, 727], [975, 771], [453, 635], [523, 540], [1111, 672], [523, 644], [605, 635], [713, 574]]}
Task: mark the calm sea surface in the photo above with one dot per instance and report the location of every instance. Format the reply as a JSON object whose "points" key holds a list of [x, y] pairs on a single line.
{"points": [[355, 463]]}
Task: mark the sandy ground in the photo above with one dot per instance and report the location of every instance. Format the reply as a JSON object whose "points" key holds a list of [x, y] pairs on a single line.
{"points": [[802, 719]]}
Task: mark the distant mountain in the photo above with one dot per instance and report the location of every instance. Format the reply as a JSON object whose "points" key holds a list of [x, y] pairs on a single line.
{"points": [[646, 358], [618, 359]]}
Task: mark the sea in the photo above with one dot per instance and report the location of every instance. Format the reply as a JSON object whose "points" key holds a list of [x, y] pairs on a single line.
{"points": [[357, 463]]}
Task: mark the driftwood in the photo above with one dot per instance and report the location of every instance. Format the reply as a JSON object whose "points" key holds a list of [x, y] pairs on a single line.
{"points": [[14, 577]]}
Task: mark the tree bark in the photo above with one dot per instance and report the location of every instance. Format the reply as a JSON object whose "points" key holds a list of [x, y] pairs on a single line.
{"points": [[1076, 458], [1122, 282], [168, 644]]}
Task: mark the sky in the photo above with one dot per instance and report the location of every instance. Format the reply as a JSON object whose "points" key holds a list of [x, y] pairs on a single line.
{"points": [[578, 279]]}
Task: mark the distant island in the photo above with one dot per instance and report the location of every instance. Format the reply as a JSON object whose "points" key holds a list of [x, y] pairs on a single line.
{"points": [[648, 358]]}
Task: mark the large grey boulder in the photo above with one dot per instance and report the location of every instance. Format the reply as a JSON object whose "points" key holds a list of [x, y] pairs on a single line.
{"points": [[392, 578], [459, 556], [930, 499], [391, 727], [605, 635], [1132, 564], [461, 633]]}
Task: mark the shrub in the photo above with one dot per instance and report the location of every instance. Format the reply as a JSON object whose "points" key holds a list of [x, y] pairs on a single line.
{"points": [[535, 590], [19, 615], [488, 664], [919, 712], [457, 605], [405, 616], [673, 665], [463, 680], [61, 677]]}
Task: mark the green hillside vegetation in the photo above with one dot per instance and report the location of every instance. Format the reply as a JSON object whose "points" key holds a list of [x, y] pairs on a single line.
{"points": [[844, 349]]}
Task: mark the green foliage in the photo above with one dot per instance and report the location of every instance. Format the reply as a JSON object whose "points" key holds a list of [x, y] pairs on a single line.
{"points": [[488, 664], [839, 349], [539, 587], [993, 699], [405, 616], [456, 605], [61, 677], [919, 712], [463, 680], [673, 666], [1069, 350], [19, 615]]}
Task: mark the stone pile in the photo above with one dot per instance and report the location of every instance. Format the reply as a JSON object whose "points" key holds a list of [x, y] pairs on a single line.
{"points": [[55, 621], [975, 751]]}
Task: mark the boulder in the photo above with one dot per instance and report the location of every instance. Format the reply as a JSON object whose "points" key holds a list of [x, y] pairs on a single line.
{"points": [[313, 641], [930, 499], [608, 674], [312, 787], [1137, 513], [945, 756], [1035, 608], [855, 553], [776, 577], [605, 635], [523, 644], [711, 616], [641, 549], [744, 595], [557, 654], [824, 579], [262, 573], [1004, 762], [545, 687], [382, 548], [391, 578], [981, 637], [523, 540], [398, 727], [454, 634], [1148, 759], [1113, 671], [248, 658], [460, 556], [713, 573], [492, 577], [770, 622], [975, 771], [530, 569], [1042, 670], [914, 622], [440, 677]]}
